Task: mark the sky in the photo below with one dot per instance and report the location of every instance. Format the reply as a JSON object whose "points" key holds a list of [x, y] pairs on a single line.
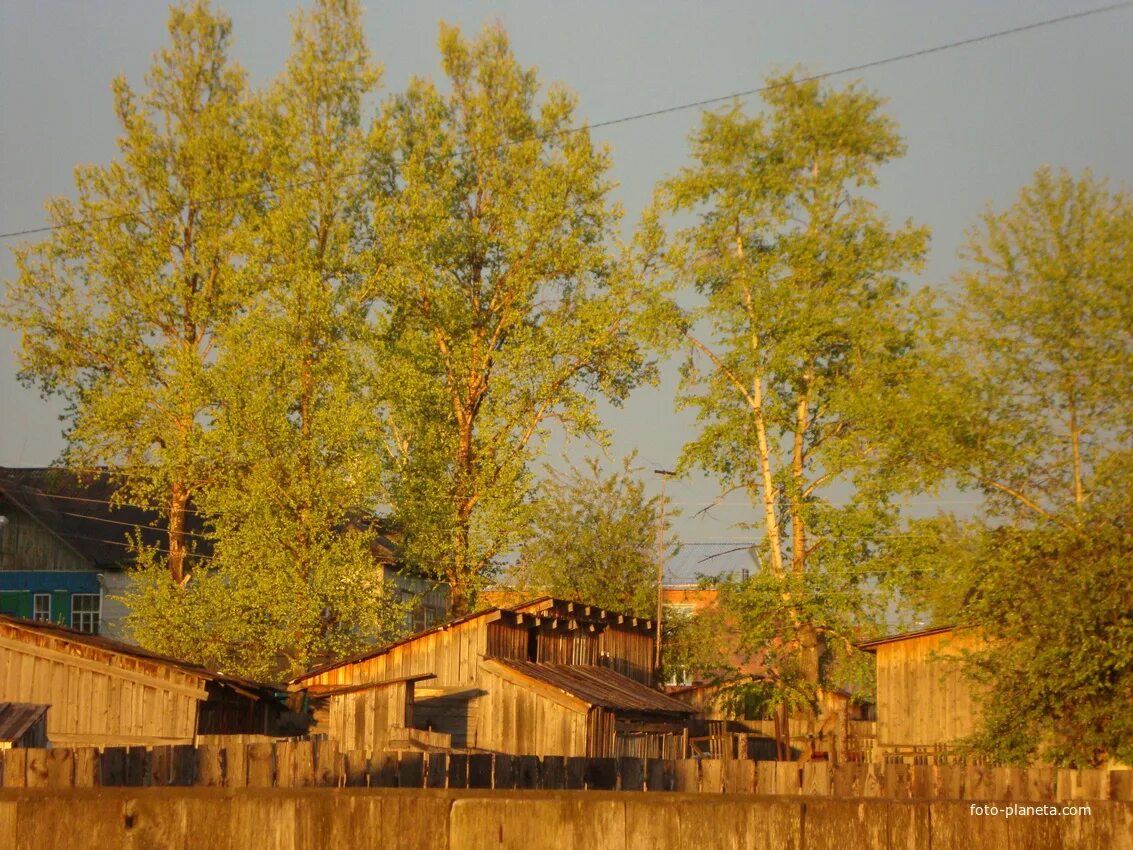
{"points": [[978, 121]]}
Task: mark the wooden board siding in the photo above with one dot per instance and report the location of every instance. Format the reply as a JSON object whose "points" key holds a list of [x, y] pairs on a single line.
{"points": [[923, 698], [98, 697], [362, 720], [523, 720], [28, 545]]}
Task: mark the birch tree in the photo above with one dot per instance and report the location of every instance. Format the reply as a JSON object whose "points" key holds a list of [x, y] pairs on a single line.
{"points": [[805, 323]]}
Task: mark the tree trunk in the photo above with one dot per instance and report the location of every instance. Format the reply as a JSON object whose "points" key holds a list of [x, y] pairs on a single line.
{"points": [[178, 507]]}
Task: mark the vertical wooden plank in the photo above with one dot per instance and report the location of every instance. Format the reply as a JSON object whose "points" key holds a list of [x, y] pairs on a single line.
{"points": [[480, 770], [261, 769], [978, 783], [552, 773], [411, 770], [112, 767], [61, 768], [503, 773], [303, 754], [526, 771], [686, 776], [739, 776], [788, 778], [161, 766], [1040, 784], [357, 769], [458, 770], [602, 774], [234, 765], [36, 768], [1121, 785], [385, 770], [184, 773], [712, 776], [15, 767], [631, 774], [284, 764], [138, 767], [327, 765], [575, 773], [765, 775], [209, 772], [87, 773], [436, 776]]}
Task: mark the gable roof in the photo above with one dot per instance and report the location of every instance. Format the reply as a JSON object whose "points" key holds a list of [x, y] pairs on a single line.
{"points": [[31, 628], [76, 508], [545, 606]]}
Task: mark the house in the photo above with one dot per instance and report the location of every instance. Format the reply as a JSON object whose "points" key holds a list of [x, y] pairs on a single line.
{"points": [[65, 552], [22, 725], [105, 693], [925, 703], [546, 677]]}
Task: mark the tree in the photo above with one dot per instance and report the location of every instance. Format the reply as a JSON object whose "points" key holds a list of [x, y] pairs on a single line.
{"points": [[1037, 376], [594, 539], [804, 328], [119, 309], [505, 305], [294, 579]]}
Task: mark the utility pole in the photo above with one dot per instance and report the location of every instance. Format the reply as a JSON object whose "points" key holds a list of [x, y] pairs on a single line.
{"points": [[664, 473]]}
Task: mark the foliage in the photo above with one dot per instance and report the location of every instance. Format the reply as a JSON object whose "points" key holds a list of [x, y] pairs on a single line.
{"points": [[120, 307], [504, 304], [1037, 376], [805, 327], [694, 646], [594, 539]]}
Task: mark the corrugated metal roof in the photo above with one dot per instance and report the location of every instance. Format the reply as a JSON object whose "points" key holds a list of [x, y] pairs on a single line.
{"points": [[599, 686], [16, 718]]}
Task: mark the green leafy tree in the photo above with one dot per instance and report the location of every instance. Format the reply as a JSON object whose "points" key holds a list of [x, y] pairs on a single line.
{"points": [[1036, 371], [119, 309], [805, 326], [594, 539], [293, 579], [505, 304]]}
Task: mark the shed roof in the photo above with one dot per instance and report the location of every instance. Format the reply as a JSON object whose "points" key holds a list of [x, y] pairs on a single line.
{"points": [[16, 718], [872, 645], [596, 686]]}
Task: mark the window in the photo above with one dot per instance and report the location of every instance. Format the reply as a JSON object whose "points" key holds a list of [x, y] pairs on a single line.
{"points": [[85, 611], [41, 607]]}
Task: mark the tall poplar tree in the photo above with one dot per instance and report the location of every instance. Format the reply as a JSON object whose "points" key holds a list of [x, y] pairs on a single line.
{"points": [[805, 323], [293, 578], [505, 303], [120, 307]]}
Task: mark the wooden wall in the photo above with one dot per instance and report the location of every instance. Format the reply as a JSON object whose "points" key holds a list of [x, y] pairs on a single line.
{"points": [[923, 698], [27, 545], [98, 697], [530, 719], [362, 720]]}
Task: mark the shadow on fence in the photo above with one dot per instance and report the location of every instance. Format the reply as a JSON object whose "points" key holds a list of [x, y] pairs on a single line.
{"points": [[319, 763]]}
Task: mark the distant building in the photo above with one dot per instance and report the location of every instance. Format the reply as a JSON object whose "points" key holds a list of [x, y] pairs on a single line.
{"points": [[546, 677], [65, 552], [925, 703]]}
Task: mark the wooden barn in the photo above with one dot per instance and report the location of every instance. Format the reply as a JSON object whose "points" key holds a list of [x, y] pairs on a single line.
{"points": [[105, 693], [924, 701], [547, 677], [22, 725]]}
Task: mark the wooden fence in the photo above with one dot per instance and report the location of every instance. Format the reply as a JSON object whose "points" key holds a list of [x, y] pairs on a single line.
{"points": [[320, 764]]}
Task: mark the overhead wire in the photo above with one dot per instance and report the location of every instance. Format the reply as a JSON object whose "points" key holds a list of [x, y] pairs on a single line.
{"points": [[625, 119]]}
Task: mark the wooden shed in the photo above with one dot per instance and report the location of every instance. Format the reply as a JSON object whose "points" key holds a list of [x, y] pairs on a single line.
{"points": [[547, 677], [22, 725], [924, 700], [105, 693]]}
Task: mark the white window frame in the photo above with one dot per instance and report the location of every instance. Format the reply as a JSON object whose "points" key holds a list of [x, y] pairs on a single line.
{"points": [[36, 613], [86, 620]]}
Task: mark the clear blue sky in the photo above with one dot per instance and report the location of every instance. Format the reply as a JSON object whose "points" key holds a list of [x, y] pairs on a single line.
{"points": [[978, 120]]}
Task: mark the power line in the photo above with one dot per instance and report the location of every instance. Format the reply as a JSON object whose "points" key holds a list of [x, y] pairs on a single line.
{"points": [[637, 116]]}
